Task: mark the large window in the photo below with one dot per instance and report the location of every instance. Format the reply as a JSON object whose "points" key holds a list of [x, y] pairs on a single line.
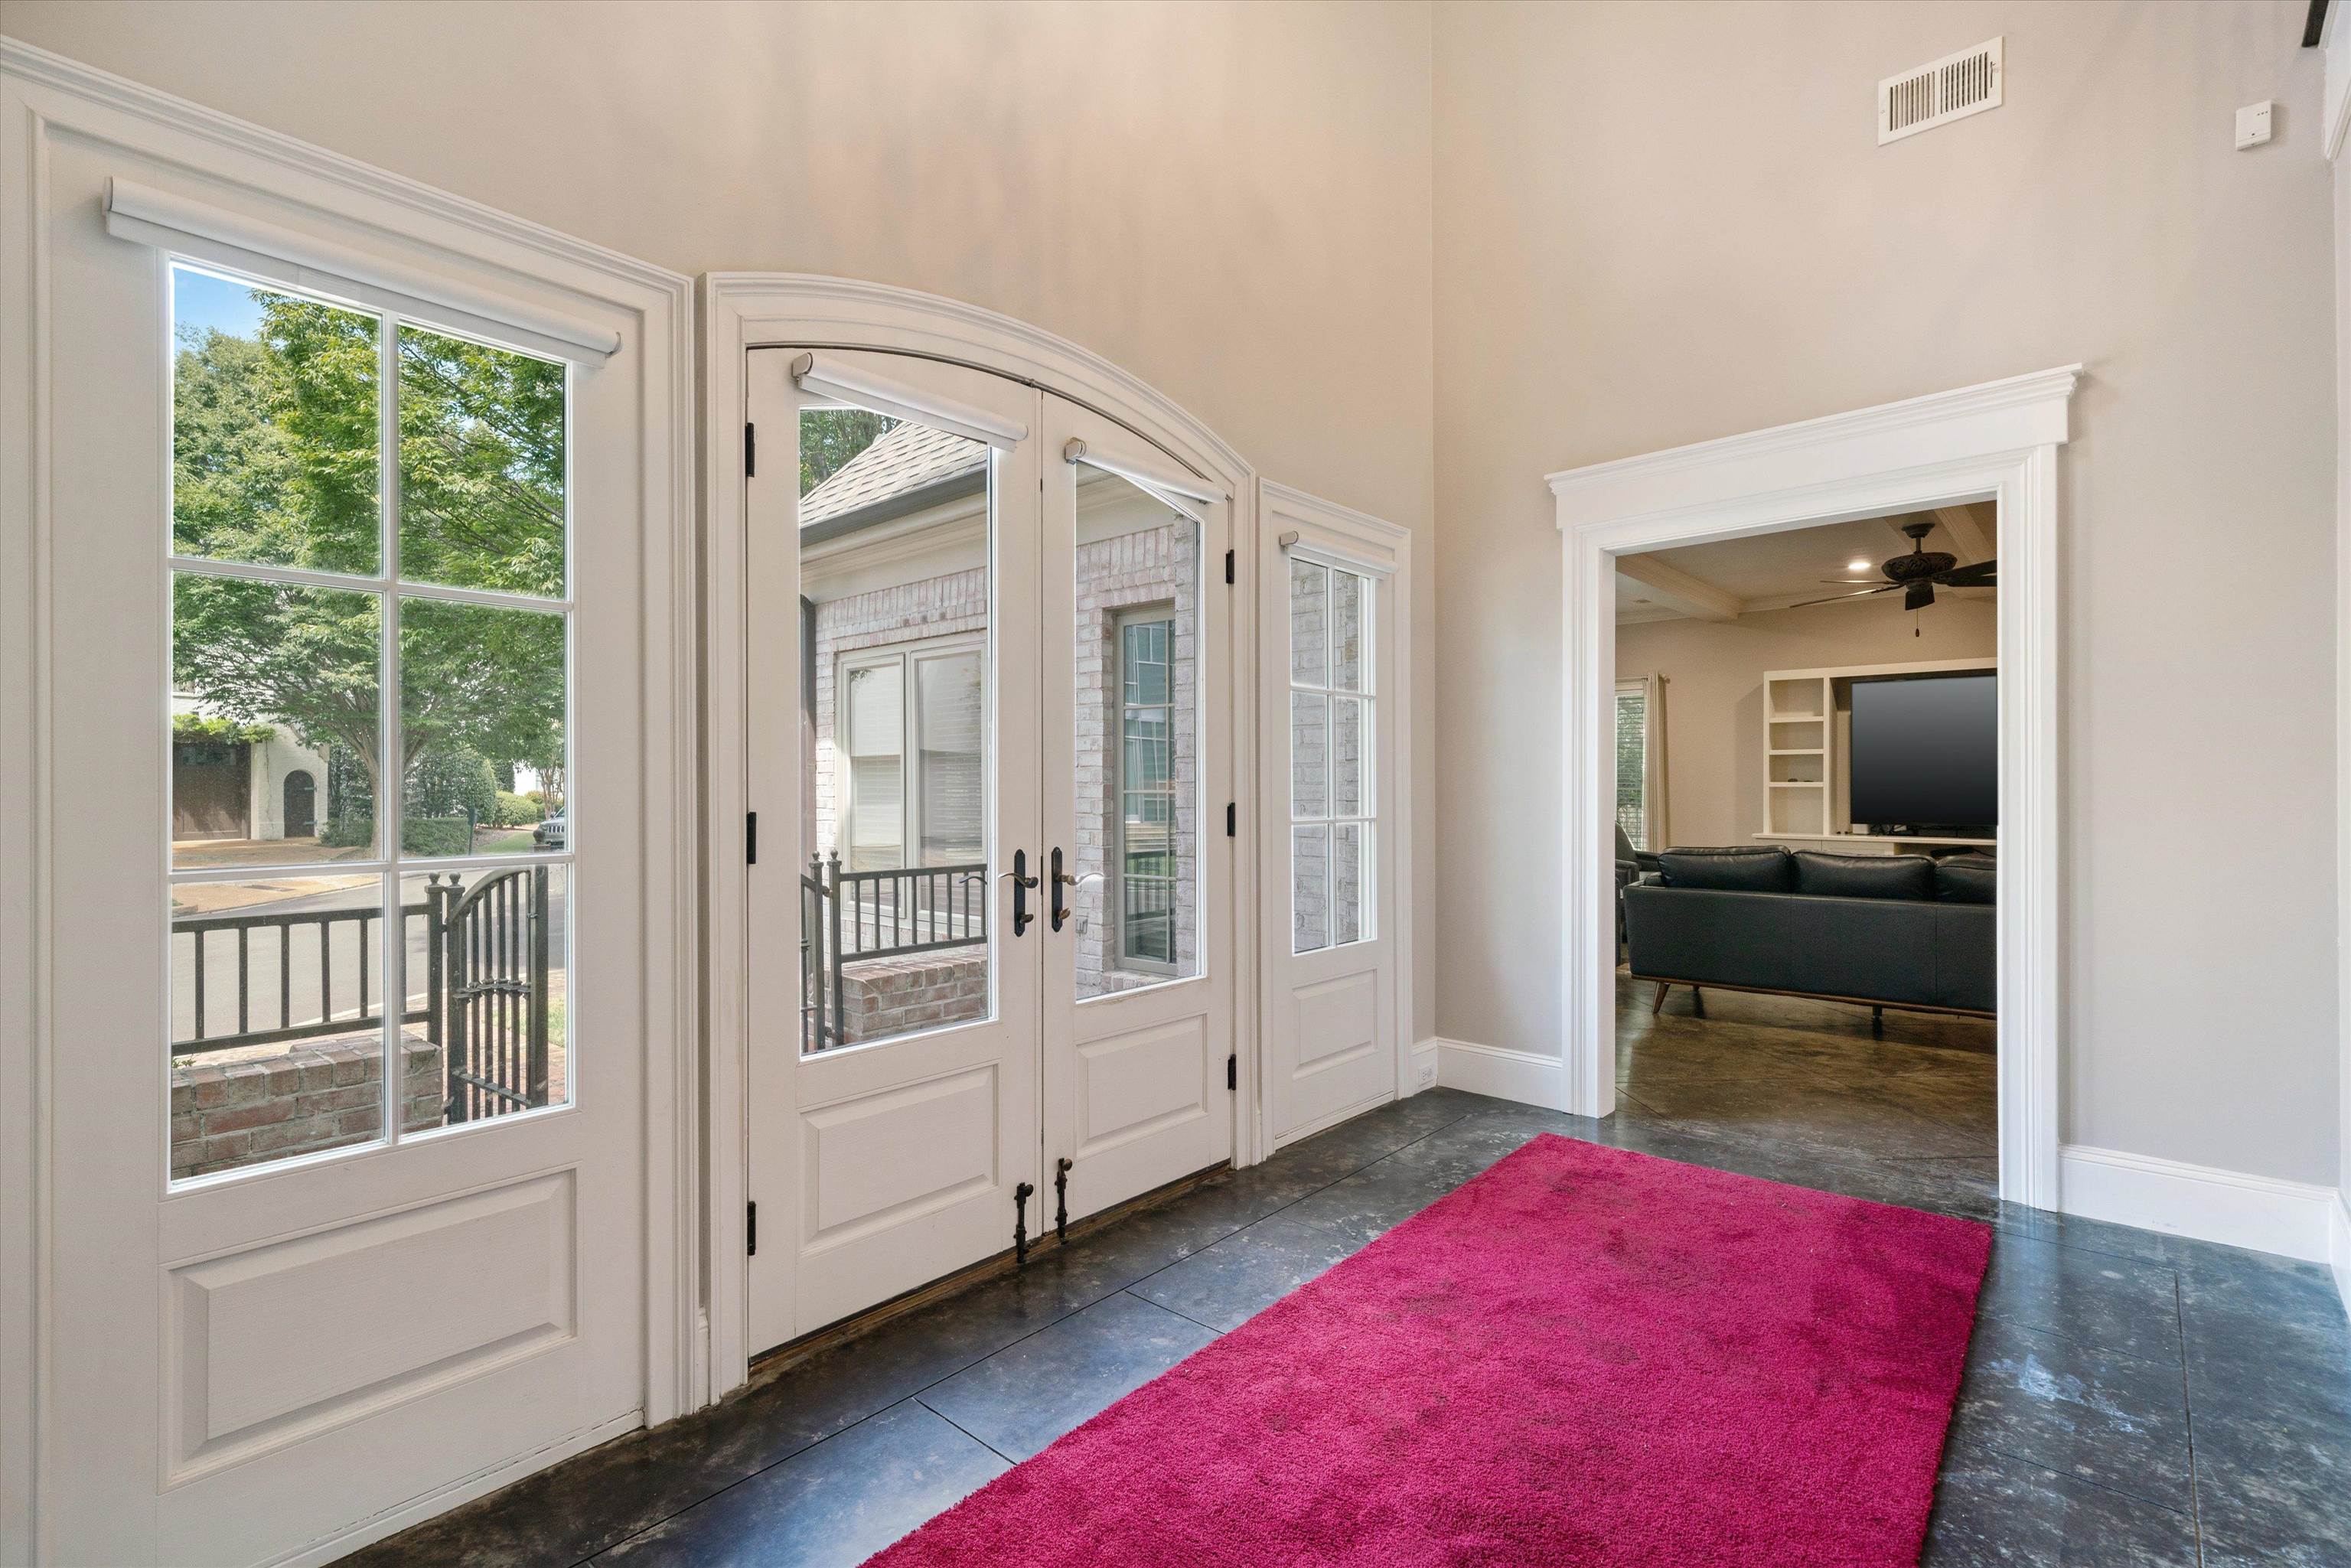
{"points": [[1144, 757], [915, 769], [370, 835], [1332, 808]]}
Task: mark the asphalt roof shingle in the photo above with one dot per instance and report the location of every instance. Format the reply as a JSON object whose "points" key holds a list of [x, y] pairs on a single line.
{"points": [[906, 456]]}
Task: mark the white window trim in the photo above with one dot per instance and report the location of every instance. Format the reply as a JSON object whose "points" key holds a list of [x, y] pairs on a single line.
{"points": [[906, 656], [1117, 956]]}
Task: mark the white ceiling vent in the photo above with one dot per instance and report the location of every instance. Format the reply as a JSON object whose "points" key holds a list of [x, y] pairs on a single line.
{"points": [[1939, 92]]}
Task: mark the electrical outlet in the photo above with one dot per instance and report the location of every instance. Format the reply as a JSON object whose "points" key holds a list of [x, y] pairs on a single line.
{"points": [[1427, 1074]]}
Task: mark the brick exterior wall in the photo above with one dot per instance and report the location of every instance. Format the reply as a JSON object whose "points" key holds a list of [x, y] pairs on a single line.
{"points": [[229, 1114], [1157, 565], [1153, 565]]}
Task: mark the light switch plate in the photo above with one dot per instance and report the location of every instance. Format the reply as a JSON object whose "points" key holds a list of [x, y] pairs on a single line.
{"points": [[2253, 123]]}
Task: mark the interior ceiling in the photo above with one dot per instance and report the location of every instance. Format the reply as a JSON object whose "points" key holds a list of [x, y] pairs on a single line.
{"points": [[1773, 571]]}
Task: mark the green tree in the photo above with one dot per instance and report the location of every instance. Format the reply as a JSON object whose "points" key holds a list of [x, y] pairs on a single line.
{"points": [[275, 461], [830, 437]]}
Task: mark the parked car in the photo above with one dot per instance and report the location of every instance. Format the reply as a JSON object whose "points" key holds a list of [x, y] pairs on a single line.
{"points": [[550, 831]]}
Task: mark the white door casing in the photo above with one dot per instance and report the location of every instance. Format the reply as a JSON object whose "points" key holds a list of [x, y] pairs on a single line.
{"points": [[1999, 441], [1335, 1017], [282, 1364]]}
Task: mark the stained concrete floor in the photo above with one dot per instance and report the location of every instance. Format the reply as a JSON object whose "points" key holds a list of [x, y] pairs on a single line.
{"points": [[2131, 1398]]}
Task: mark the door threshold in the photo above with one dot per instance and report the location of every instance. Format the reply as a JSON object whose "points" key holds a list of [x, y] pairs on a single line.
{"points": [[792, 1353]]}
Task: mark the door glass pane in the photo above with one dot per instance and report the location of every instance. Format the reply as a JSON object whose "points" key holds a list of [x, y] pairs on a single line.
{"points": [[487, 969], [482, 703], [1310, 888], [1347, 892], [895, 552], [273, 430], [1346, 632], [481, 466], [1309, 624], [1133, 900], [1332, 712], [1347, 756], [277, 991], [273, 722]]}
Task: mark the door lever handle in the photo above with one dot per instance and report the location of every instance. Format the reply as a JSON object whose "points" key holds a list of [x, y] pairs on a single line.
{"points": [[1061, 879], [1022, 884]]}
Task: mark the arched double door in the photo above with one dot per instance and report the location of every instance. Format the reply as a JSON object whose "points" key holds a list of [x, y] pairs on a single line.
{"points": [[991, 937]]}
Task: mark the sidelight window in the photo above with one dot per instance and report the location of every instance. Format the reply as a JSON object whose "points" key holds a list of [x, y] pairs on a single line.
{"points": [[1332, 809], [370, 829]]}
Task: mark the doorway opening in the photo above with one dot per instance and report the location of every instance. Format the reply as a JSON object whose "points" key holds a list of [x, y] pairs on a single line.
{"points": [[1996, 443], [1806, 769]]}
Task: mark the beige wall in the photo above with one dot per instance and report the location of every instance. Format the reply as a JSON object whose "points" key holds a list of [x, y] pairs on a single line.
{"points": [[1659, 223], [1714, 693], [1230, 200]]}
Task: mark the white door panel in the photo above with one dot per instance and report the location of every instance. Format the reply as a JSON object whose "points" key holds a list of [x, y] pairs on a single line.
{"points": [[1329, 717], [275, 1354], [1138, 990], [892, 652]]}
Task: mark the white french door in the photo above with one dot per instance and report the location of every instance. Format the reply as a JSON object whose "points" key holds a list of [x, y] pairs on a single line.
{"points": [[984, 678], [1329, 634], [1137, 771], [344, 1127]]}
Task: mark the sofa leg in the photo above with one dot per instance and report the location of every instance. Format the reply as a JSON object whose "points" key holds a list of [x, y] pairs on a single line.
{"points": [[1878, 1021], [1697, 1003], [1657, 1004]]}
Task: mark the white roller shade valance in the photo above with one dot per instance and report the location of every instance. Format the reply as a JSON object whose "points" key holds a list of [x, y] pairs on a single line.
{"points": [[146, 215], [834, 381]]}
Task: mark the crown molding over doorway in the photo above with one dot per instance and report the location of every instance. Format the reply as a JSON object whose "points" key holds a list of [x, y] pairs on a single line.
{"points": [[1998, 441]]}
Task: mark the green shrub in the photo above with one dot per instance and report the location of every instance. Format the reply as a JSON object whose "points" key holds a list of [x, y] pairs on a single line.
{"points": [[418, 835], [517, 810]]}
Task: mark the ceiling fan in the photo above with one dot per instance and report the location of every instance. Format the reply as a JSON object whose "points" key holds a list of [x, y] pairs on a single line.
{"points": [[1917, 574]]}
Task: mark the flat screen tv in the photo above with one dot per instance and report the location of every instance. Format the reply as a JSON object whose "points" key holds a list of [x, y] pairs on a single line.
{"points": [[1925, 751]]}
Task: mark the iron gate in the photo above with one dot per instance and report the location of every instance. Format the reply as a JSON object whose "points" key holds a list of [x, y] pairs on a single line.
{"points": [[488, 981]]}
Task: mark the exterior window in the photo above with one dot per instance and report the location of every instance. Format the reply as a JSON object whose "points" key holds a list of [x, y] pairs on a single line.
{"points": [[369, 708], [1632, 762], [1145, 752], [1332, 809], [938, 803]]}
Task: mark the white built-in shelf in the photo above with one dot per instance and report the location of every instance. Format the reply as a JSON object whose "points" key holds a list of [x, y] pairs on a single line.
{"points": [[1804, 790]]}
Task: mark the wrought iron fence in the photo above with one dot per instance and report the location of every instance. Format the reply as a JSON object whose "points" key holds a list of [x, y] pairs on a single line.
{"points": [[851, 914], [486, 993]]}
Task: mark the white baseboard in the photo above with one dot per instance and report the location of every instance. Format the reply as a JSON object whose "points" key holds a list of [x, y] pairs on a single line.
{"points": [[1519, 1075], [2339, 1245], [2236, 1209]]}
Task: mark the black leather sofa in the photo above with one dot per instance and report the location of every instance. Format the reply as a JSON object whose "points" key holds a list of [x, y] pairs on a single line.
{"points": [[1884, 931]]}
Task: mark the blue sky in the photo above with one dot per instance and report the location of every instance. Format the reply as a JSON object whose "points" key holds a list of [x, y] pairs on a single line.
{"points": [[201, 300]]}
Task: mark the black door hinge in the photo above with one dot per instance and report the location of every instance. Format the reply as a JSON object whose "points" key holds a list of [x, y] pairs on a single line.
{"points": [[1233, 1073], [750, 451], [750, 838], [1232, 819], [750, 1230], [1229, 568]]}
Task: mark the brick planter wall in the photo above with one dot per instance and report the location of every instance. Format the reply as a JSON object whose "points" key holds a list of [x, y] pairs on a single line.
{"points": [[228, 1115], [882, 996]]}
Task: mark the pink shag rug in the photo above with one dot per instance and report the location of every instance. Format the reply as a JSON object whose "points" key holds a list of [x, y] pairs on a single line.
{"points": [[1585, 1355]]}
